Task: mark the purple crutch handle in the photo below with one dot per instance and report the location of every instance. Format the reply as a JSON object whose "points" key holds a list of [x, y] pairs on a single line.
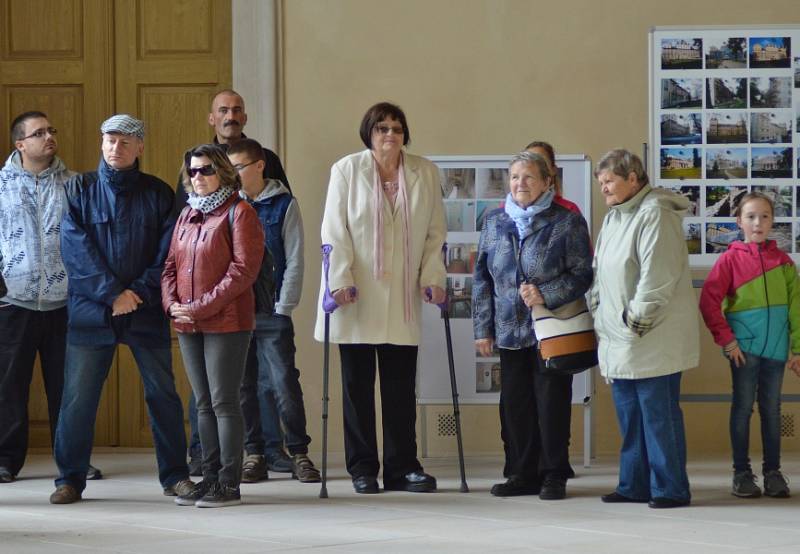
{"points": [[329, 305]]}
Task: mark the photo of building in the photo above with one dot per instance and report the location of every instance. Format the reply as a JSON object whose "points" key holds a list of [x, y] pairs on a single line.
{"points": [[770, 52], [491, 182], [680, 163], [691, 232], [771, 92], [728, 93], [726, 128], [722, 201], [724, 163], [720, 235], [461, 258], [771, 127], [781, 198], [681, 129], [775, 163], [730, 53], [782, 235], [458, 183], [459, 297], [681, 93], [681, 53]]}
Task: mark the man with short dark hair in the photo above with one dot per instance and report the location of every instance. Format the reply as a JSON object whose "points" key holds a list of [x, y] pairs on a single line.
{"points": [[262, 423], [114, 240], [270, 361], [33, 314]]}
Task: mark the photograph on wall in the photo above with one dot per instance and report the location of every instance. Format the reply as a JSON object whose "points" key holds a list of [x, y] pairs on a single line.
{"points": [[771, 127], [771, 92], [797, 72], [771, 163], [679, 53], [458, 183], [782, 234], [487, 377], [492, 182], [460, 216], [459, 297], [680, 163], [679, 94], [691, 232], [797, 237], [726, 127], [681, 128], [770, 52], [720, 235], [722, 201], [781, 196], [691, 193], [726, 163], [726, 93], [461, 258], [726, 53], [483, 209]]}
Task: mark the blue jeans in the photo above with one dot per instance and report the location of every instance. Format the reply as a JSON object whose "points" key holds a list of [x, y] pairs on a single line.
{"points": [[764, 377], [653, 453], [86, 369], [271, 371]]}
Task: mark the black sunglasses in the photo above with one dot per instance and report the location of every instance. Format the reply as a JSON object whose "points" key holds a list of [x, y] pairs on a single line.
{"points": [[207, 170]]}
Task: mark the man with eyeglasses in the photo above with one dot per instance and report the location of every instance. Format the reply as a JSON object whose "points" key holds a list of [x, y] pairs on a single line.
{"points": [[263, 435], [33, 313], [114, 240]]}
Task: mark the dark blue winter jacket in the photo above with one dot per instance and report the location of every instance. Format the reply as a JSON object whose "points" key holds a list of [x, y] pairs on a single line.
{"points": [[116, 236]]}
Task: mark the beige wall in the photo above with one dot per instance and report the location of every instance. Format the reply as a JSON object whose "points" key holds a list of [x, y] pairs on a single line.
{"points": [[483, 77]]}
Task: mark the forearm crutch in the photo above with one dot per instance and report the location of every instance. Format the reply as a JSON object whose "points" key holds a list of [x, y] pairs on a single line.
{"points": [[453, 386]]}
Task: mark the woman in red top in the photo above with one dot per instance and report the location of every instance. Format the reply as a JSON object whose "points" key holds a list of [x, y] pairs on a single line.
{"points": [[545, 150], [207, 288]]}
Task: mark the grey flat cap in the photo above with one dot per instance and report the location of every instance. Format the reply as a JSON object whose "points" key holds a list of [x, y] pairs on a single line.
{"points": [[123, 124]]}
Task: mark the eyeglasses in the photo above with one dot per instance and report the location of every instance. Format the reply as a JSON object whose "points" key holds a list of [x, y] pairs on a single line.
{"points": [[384, 129], [240, 167], [207, 170], [41, 133]]}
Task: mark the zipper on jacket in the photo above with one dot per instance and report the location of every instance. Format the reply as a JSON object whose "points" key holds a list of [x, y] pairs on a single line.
{"points": [[766, 296], [42, 275], [194, 256]]}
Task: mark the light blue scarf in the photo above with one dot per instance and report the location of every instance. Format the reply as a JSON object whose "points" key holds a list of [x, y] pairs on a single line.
{"points": [[523, 218]]}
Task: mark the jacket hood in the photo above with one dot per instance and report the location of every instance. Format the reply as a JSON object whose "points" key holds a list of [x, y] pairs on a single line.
{"points": [[753, 248], [273, 187], [14, 167], [650, 197]]}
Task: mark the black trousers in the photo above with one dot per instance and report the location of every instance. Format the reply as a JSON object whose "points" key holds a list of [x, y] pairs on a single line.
{"points": [[536, 413], [398, 368], [23, 334]]}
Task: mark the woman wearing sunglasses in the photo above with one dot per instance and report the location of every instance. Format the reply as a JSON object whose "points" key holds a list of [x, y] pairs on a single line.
{"points": [[206, 288], [384, 219]]}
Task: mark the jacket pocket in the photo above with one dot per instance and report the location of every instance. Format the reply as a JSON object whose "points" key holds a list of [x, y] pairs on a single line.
{"points": [[84, 312]]}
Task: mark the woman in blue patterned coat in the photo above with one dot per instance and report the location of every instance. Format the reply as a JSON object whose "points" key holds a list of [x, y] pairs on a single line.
{"points": [[555, 267]]}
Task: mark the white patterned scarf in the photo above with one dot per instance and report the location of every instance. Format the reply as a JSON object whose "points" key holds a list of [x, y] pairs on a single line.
{"points": [[211, 201]]}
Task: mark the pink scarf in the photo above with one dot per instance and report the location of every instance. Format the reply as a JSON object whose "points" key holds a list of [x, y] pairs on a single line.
{"points": [[378, 266]]}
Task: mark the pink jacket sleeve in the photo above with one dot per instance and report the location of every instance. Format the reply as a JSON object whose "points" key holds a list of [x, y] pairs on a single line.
{"points": [[715, 289]]}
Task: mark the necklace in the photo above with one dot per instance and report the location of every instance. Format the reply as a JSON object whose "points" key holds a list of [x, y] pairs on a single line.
{"points": [[390, 187]]}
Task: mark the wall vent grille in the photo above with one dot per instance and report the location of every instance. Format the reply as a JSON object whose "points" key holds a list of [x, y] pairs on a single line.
{"points": [[446, 425], [787, 425]]}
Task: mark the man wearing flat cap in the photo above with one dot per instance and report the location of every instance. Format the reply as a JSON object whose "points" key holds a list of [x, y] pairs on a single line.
{"points": [[114, 240]]}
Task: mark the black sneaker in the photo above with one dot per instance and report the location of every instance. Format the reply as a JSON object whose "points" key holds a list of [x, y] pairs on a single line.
{"points": [[553, 488], [219, 496], [195, 494], [515, 486], [279, 461], [93, 474]]}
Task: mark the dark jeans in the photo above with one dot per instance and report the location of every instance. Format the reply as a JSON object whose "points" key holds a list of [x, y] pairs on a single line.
{"points": [[760, 377], [23, 333], [536, 411], [271, 374], [652, 460], [215, 364], [86, 370], [398, 368]]}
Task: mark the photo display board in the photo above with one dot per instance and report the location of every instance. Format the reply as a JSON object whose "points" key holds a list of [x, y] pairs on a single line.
{"points": [[725, 116], [471, 187]]}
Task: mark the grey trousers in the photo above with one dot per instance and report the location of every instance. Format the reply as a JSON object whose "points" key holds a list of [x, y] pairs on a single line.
{"points": [[215, 365]]}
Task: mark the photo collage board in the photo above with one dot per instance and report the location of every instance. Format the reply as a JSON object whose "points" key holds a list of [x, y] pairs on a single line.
{"points": [[725, 120], [471, 188]]}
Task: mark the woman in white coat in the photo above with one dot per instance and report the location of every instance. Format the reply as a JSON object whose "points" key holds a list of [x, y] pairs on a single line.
{"points": [[384, 219]]}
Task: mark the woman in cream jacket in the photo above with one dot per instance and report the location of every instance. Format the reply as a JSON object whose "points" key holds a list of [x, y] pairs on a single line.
{"points": [[384, 219]]}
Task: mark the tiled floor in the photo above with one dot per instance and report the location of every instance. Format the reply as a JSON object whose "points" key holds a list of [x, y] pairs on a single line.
{"points": [[127, 513]]}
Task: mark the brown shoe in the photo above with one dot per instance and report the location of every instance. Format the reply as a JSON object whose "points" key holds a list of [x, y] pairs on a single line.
{"points": [[304, 470], [65, 494], [181, 488]]}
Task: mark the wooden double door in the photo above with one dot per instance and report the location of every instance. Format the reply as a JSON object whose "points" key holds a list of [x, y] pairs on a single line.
{"points": [[81, 61]]}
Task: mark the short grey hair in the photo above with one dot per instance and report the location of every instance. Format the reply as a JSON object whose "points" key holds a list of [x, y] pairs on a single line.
{"points": [[622, 162], [532, 159]]}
